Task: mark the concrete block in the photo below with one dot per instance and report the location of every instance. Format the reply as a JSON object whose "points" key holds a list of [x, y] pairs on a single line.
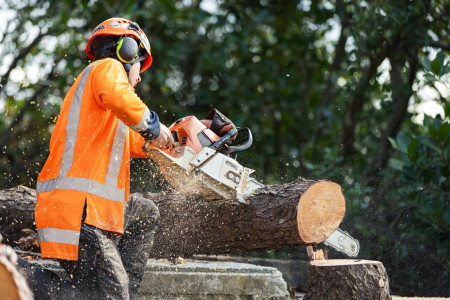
{"points": [[204, 280], [295, 272], [212, 280]]}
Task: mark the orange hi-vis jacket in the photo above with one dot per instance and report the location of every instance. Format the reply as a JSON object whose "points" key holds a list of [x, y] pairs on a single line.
{"points": [[89, 161]]}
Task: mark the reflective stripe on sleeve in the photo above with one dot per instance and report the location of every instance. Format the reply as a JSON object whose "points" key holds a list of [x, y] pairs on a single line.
{"points": [[61, 236], [115, 159], [143, 123]]}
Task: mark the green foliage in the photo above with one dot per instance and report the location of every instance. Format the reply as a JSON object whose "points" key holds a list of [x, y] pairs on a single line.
{"points": [[425, 168], [425, 158], [305, 76], [437, 68]]}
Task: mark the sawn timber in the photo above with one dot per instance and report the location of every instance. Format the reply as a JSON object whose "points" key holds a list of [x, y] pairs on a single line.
{"points": [[299, 213]]}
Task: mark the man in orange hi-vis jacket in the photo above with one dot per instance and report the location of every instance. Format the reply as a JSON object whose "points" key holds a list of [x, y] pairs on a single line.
{"points": [[83, 215]]}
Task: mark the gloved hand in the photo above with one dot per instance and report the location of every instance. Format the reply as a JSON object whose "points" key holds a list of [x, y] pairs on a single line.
{"points": [[164, 138], [217, 122]]}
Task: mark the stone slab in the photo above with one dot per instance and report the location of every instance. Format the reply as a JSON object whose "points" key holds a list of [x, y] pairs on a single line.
{"points": [[295, 272], [199, 280]]}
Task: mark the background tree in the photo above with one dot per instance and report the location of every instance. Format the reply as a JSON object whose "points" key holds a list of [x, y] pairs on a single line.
{"points": [[323, 85]]}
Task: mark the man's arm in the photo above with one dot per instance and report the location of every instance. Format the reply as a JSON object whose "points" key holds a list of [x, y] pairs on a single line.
{"points": [[110, 83]]}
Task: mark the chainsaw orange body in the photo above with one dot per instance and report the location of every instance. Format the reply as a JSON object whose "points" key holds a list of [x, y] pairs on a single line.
{"points": [[191, 132]]}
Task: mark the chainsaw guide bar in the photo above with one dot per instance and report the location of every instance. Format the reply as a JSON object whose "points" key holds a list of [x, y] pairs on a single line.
{"points": [[201, 163]]}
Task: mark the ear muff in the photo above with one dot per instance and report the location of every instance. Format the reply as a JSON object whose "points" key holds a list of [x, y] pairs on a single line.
{"points": [[127, 49]]}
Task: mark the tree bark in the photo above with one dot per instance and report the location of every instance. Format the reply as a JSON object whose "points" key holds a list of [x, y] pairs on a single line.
{"points": [[290, 215], [16, 212], [347, 279], [300, 213]]}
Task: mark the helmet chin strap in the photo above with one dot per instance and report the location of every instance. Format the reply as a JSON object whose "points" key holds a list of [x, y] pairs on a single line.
{"points": [[128, 66]]}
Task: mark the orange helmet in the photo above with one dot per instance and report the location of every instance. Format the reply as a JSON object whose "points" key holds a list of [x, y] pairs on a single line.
{"points": [[122, 27]]}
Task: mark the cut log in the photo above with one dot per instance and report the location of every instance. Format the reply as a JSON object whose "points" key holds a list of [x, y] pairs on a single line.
{"points": [[347, 279], [300, 213], [290, 215], [13, 284]]}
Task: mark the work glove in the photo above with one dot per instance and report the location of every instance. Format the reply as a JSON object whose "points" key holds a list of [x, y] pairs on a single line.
{"points": [[164, 138]]}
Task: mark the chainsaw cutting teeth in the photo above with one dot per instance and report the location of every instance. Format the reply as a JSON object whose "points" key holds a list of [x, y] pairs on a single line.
{"points": [[184, 181]]}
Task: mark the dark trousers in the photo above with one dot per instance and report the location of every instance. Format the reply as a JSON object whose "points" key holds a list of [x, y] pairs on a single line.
{"points": [[107, 267]]}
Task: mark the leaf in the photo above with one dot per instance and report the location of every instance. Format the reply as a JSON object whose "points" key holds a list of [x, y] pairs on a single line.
{"points": [[430, 77], [403, 142], [396, 164], [433, 132], [440, 56], [412, 147], [446, 69], [430, 145], [394, 144], [426, 62], [447, 110], [435, 66], [444, 132]]}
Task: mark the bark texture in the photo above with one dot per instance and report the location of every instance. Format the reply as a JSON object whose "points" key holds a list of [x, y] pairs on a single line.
{"points": [[16, 212], [347, 279], [300, 213], [289, 215]]}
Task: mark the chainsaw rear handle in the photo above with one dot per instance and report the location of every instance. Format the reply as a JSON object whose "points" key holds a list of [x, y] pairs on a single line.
{"points": [[225, 140], [226, 145]]}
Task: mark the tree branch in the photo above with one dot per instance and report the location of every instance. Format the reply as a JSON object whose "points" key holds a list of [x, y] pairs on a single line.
{"points": [[440, 45], [8, 24], [18, 117], [401, 91], [22, 53], [358, 100], [339, 54]]}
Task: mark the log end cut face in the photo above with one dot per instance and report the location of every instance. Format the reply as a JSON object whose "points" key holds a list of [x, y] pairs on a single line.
{"points": [[320, 210]]}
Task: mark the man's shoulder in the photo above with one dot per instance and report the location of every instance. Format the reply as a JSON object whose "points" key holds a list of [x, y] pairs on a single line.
{"points": [[108, 66], [109, 62]]}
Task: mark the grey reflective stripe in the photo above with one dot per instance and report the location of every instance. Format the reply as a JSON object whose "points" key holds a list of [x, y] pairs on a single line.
{"points": [[143, 123], [73, 119], [60, 236], [83, 185], [115, 160]]}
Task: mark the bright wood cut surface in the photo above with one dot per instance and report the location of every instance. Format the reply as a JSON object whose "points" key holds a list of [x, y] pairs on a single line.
{"points": [[320, 211], [7, 286]]}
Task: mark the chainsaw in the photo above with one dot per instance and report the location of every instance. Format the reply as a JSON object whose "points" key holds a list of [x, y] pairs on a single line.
{"points": [[202, 162]]}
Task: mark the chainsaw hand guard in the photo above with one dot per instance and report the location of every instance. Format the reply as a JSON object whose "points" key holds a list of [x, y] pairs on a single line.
{"points": [[219, 123]]}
